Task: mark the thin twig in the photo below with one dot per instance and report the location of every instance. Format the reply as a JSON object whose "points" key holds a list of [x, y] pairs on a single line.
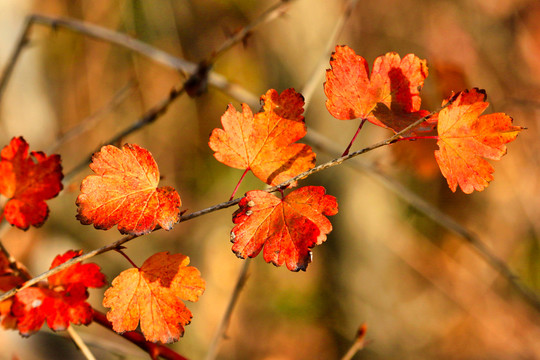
{"points": [[153, 349], [272, 13], [80, 343], [225, 320], [433, 213], [90, 121], [21, 43], [67, 264], [149, 117], [358, 344], [223, 205], [315, 80], [125, 41]]}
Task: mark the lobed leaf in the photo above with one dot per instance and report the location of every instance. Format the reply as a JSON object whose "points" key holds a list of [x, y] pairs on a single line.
{"points": [[27, 181], [467, 139], [265, 142], [389, 97], [286, 228], [60, 302], [152, 296], [124, 192]]}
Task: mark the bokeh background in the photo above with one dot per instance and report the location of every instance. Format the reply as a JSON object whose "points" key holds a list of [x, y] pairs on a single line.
{"points": [[423, 292]]}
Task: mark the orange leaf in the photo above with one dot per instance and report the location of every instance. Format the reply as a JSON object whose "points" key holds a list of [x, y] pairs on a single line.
{"points": [[265, 142], [125, 192], [152, 296], [287, 228], [390, 97], [62, 301], [466, 139], [27, 182]]}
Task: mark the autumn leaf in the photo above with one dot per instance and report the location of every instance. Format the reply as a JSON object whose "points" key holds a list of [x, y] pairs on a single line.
{"points": [[27, 181], [152, 296], [265, 142], [287, 228], [467, 138], [8, 276], [8, 280], [124, 191], [389, 97], [59, 302]]}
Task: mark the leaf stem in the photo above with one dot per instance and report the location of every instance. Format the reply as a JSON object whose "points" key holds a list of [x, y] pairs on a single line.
{"points": [[119, 250], [222, 328], [154, 350], [346, 152], [238, 184]]}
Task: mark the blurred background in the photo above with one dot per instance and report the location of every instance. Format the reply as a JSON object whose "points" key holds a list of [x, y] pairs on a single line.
{"points": [[423, 292]]}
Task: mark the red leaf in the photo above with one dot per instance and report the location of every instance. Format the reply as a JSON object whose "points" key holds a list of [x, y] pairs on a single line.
{"points": [[286, 228], [265, 142], [62, 301], [466, 139], [390, 97], [125, 192], [8, 280], [152, 296], [27, 182]]}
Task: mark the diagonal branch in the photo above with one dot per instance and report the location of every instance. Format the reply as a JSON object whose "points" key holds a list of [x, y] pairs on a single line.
{"points": [[217, 207]]}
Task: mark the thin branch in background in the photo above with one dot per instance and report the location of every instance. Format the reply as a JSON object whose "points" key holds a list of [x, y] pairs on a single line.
{"points": [[315, 79], [80, 343], [148, 118], [21, 43], [92, 120], [226, 319], [272, 13], [358, 344]]}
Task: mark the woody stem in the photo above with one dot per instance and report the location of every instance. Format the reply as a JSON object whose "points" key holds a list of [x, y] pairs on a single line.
{"points": [[154, 350], [417, 138]]}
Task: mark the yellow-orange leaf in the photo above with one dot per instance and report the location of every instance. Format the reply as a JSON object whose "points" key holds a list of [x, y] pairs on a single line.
{"points": [[265, 142], [152, 295], [467, 139], [388, 97], [124, 191]]}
